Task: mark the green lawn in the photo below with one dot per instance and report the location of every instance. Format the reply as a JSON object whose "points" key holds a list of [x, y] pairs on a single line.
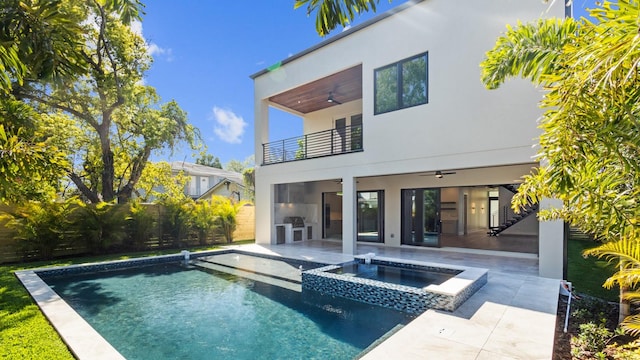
{"points": [[24, 332], [588, 274]]}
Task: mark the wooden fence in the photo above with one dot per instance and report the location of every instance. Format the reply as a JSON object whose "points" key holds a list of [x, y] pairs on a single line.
{"points": [[13, 250]]}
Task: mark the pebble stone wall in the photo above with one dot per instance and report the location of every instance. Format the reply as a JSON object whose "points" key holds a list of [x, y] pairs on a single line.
{"points": [[399, 297]]}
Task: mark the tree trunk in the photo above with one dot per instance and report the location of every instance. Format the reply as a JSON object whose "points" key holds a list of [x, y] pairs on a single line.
{"points": [[124, 194], [625, 306], [90, 195], [107, 167]]}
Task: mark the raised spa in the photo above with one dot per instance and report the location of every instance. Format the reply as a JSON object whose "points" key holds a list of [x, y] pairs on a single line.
{"points": [[412, 287]]}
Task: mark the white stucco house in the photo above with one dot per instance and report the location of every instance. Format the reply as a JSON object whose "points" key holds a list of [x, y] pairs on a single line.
{"points": [[402, 145]]}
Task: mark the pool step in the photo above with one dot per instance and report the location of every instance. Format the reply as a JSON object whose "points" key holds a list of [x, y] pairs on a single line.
{"points": [[294, 286]]}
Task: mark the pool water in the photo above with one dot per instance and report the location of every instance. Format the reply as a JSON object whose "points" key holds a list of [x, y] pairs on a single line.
{"points": [[171, 312], [394, 275]]}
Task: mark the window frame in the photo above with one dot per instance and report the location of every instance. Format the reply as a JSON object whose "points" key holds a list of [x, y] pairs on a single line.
{"points": [[399, 83]]}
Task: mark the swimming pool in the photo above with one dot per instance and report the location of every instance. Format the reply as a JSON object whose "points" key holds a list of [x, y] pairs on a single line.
{"points": [[408, 286], [394, 275], [170, 311]]}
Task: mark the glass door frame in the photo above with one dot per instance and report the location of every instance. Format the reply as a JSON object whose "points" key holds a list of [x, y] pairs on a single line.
{"points": [[379, 217], [409, 213]]}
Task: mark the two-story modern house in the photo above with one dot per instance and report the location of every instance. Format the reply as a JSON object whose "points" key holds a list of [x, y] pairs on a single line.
{"points": [[402, 145]]}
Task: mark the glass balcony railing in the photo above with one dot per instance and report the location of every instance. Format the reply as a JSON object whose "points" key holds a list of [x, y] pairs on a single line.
{"points": [[342, 140]]}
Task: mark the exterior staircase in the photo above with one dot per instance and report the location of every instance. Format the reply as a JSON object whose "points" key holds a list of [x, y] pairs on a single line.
{"points": [[514, 219]]}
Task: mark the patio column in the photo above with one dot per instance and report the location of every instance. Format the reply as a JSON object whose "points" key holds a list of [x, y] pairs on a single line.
{"points": [[551, 244], [265, 229], [349, 216]]}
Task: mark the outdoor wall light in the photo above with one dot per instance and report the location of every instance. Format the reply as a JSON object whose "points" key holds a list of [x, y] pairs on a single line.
{"points": [[439, 174]]}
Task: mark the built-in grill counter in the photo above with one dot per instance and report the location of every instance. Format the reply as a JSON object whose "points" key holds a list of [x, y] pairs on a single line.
{"points": [[292, 229]]}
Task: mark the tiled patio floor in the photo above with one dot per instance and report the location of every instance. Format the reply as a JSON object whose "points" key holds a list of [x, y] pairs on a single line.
{"points": [[512, 317]]}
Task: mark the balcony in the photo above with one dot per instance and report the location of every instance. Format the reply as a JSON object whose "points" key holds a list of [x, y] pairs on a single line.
{"points": [[342, 140]]}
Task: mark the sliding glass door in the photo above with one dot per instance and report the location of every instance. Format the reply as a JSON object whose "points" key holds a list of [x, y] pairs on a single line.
{"points": [[371, 216], [421, 217]]}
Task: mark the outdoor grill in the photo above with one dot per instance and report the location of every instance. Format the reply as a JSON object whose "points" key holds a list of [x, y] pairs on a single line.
{"points": [[295, 221], [291, 229]]}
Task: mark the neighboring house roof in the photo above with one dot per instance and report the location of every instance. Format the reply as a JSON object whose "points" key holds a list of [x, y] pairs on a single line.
{"points": [[217, 186], [339, 36], [203, 170]]}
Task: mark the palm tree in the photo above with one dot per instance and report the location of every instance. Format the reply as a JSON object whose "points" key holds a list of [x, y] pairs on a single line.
{"points": [[626, 252], [590, 144], [330, 13]]}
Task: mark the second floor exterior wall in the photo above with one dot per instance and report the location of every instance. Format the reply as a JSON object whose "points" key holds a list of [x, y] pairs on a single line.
{"points": [[461, 125]]}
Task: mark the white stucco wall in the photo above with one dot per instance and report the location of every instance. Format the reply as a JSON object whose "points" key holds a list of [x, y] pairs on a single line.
{"points": [[463, 126]]}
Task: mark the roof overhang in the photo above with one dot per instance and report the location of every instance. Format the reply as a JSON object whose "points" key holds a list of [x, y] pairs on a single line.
{"points": [[344, 86]]}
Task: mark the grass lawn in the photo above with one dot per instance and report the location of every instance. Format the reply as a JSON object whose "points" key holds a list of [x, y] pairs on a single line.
{"points": [[24, 331], [588, 275]]}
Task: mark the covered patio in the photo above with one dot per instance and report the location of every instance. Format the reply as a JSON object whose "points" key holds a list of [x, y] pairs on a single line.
{"points": [[512, 317]]}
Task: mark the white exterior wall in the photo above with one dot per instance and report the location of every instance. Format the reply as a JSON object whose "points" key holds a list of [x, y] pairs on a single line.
{"points": [[463, 126]]}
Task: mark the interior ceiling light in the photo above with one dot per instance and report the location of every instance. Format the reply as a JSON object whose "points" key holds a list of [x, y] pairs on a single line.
{"points": [[330, 99]]}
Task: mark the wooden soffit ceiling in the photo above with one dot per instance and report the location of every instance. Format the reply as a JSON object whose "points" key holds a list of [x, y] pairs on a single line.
{"points": [[344, 86]]}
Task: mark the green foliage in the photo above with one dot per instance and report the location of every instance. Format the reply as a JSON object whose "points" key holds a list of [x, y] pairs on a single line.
{"points": [[330, 13], [80, 60], [140, 225], [533, 51], [301, 152], [176, 217], [591, 341], [225, 212], [203, 220], [240, 166], [102, 225], [31, 165], [590, 144], [249, 179], [209, 160], [41, 227], [38, 42]]}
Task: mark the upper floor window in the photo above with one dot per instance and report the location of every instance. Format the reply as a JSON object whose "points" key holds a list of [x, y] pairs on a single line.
{"points": [[401, 85]]}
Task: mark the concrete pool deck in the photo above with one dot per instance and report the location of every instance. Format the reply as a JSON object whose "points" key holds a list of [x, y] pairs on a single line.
{"points": [[512, 317]]}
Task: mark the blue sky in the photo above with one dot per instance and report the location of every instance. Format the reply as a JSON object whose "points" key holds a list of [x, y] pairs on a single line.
{"points": [[205, 51]]}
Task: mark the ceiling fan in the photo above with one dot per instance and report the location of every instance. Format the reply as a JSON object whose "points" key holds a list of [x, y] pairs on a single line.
{"points": [[438, 174], [331, 100]]}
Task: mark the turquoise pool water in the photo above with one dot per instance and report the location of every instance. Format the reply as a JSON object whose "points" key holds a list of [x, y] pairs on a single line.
{"points": [[394, 275], [170, 312]]}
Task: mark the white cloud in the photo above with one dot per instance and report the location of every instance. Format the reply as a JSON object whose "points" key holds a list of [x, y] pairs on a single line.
{"points": [[229, 126], [152, 48], [136, 27]]}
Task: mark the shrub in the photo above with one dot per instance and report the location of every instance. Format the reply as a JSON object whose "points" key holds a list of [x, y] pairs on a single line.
{"points": [[203, 220], [225, 212], [102, 225], [176, 219], [140, 224], [42, 227], [591, 341]]}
